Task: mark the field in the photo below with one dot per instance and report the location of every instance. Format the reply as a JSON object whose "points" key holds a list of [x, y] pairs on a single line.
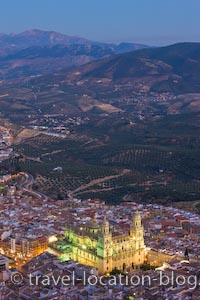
{"points": [[156, 162]]}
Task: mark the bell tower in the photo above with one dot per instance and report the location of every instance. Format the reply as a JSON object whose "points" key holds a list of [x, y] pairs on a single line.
{"points": [[104, 248], [137, 238], [137, 229], [105, 228]]}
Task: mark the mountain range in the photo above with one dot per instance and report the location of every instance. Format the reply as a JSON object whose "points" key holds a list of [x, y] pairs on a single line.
{"points": [[36, 52], [90, 77]]}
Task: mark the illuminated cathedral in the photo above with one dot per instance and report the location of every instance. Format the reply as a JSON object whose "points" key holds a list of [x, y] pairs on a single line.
{"points": [[97, 246]]}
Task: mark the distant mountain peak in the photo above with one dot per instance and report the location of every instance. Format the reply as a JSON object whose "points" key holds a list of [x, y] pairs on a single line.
{"points": [[32, 31], [35, 32]]}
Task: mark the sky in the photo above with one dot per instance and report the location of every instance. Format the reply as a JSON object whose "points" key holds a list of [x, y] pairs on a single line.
{"points": [[153, 22]]}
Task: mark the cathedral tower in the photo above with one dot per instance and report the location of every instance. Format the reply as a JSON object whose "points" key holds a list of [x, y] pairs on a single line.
{"points": [[137, 234], [104, 247]]}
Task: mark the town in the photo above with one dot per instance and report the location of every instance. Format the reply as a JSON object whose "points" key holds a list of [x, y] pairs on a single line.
{"points": [[37, 238]]}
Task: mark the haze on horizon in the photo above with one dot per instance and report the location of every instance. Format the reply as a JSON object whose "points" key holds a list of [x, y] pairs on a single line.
{"points": [[152, 22]]}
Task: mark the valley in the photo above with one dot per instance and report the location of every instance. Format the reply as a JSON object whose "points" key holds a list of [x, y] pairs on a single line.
{"points": [[111, 130]]}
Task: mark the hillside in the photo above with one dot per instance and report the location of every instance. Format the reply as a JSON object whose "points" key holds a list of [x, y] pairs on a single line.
{"points": [[175, 68], [145, 82]]}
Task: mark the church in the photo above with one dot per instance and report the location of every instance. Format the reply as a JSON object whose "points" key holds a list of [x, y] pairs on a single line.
{"points": [[97, 246]]}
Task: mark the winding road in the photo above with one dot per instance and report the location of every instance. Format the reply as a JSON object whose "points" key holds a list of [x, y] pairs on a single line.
{"points": [[26, 184]]}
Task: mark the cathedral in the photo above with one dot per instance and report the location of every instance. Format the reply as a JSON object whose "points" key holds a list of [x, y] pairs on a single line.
{"points": [[97, 246]]}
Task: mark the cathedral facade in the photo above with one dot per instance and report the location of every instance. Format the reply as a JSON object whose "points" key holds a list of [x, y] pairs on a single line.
{"points": [[97, 246]]}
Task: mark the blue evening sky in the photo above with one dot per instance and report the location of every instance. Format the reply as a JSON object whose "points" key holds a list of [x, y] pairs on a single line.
{"points": [[156, 22]]}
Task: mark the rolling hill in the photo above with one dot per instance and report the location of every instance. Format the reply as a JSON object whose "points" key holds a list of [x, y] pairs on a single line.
{"points": [[174, 68]]}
